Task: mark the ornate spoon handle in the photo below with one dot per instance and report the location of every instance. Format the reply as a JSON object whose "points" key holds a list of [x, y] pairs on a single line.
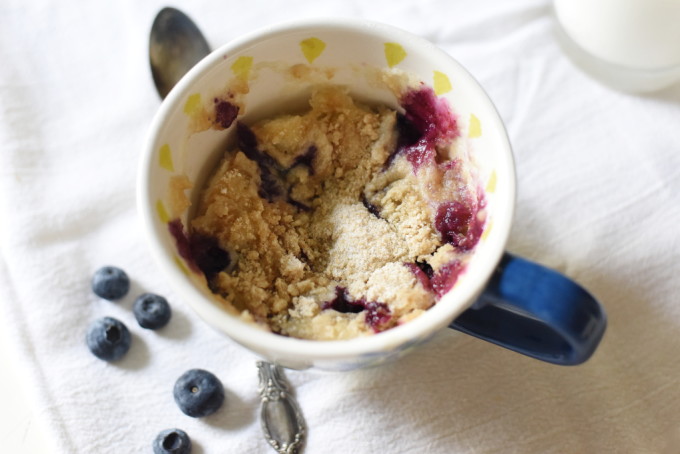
{"points": [[282, 421]]}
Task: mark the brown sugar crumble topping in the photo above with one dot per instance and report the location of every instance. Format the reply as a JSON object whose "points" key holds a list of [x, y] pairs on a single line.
{"points": [[343, 221]]}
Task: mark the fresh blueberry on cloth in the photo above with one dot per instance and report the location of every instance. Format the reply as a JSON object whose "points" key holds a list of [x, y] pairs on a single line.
{"points": [[198, 393], [172, 441], [151, 311], [110, 283], [108, 339]]}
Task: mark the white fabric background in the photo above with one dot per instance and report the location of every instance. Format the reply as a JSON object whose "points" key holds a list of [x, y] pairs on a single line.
{"points": [[599, 185]]}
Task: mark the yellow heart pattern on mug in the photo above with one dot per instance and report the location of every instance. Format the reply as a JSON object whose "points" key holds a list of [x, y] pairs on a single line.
{"points": [[312, 48], [165, 158], [241, 67], [475, 127], [394, 54], [442, 84]]}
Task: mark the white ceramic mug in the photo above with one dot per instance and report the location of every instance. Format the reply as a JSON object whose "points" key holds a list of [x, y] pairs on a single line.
{"points": [[174, 149]]}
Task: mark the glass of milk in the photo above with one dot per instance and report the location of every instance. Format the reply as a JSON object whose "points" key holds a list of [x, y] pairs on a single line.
{"points": [[630, 45]]}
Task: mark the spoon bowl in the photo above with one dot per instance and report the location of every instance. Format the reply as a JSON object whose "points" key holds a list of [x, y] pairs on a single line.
{"points": [[175, 46]]}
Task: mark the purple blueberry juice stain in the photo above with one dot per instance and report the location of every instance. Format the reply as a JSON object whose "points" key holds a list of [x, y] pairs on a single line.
{"points": [[444, 279], [342, 302], [208, 255], [420, 153], [476, 226], [438, 282], [299, 205], [271, 186], [449, 166], [377, 314], [458, 223], [407, 135], [247, 142], [408, 132], [225, 113], [202, 253], [425, 268], [176, 229], [452, 221], [421, 275], [306, 159], [431, 116], [373, 209], [427, 122], [272, 176]]}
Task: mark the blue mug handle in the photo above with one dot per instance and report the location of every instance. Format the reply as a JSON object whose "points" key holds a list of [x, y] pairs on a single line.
{"points": [[535, 311]]}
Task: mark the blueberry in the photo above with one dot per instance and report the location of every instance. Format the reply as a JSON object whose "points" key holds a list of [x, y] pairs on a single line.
{"points": [[373, 209], [343, 303], [453, 220], [208, 255], [151, 311], [110, 283], [172, 441], [198, 393], [108, 339]]}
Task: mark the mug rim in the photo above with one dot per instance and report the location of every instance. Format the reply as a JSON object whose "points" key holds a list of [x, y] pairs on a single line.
{"points": [[278, 346]]}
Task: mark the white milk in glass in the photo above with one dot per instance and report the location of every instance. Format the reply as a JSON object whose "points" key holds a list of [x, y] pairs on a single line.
{"points": [[633, 45]]}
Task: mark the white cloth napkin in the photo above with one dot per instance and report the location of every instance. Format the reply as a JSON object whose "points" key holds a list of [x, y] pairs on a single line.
{"points": [[599, 198]]}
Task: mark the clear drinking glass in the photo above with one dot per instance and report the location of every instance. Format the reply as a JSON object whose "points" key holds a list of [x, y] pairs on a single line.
{"points": [[630, 45]]}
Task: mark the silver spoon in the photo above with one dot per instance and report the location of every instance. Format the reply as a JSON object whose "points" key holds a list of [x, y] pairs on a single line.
{"points": [[175, 46]]}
